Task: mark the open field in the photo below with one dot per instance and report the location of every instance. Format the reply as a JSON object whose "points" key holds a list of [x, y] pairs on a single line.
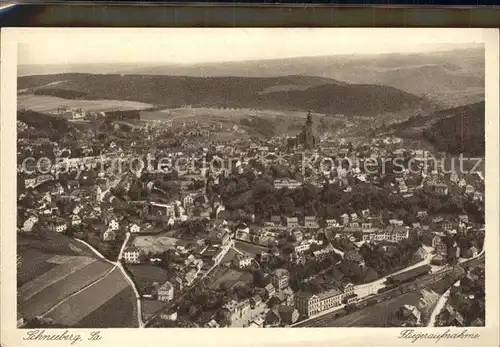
{"points": [[45, 103], [69, 286], [230, 277], [77, 307], [42, 297], [53, 244], [34, 263], [145, 275], [118, 312], [39, 256], [156, 243], [53, 276]]}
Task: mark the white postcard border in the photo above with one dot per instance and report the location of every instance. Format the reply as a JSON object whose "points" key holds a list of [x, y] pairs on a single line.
{"points": [[10, 336]]}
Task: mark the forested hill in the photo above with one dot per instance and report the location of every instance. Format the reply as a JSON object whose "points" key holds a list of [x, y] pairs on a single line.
{"points": [[460, 130], [43, 125], [286, 93]]}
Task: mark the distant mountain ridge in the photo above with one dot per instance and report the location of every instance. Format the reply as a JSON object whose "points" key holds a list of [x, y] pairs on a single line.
{"points": [[286, 93], [451, 78]]}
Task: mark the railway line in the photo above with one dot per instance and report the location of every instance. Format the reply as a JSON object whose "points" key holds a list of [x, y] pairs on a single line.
{"points": [[391, 294]]}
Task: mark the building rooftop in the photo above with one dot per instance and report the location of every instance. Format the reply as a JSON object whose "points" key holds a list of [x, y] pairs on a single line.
{"points": [[329, 293], [423, 269]]}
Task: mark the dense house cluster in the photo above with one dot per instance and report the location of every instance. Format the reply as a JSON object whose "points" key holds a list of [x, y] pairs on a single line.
{"points": [[188, 203]]}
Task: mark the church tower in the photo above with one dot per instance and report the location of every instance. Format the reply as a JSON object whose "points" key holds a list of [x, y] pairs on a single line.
{"points": [[309, 140]]}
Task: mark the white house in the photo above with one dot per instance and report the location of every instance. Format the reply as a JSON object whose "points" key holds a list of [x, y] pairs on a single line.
{"points": [[134, 228], [166, 292], [114, 225]]}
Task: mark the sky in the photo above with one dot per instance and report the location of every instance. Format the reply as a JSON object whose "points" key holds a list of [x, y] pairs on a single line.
{"points": [[197, 45]]}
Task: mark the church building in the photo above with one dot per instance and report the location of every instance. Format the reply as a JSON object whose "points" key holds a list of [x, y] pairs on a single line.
{"points": [[306, 138]]}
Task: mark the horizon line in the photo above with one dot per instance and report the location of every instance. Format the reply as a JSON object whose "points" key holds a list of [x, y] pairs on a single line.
{"points": [[457, 46]]}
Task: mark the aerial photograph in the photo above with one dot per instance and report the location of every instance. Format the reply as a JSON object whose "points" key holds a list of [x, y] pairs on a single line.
{"points": [[257, 178]]}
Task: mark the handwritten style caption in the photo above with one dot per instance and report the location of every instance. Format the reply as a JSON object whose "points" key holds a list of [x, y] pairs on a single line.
{"points": [[42, 335]]}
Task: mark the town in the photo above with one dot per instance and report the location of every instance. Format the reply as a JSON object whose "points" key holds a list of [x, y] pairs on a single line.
{"points": [[278, 231]]}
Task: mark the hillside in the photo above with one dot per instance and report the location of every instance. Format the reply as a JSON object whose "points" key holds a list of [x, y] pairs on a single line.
{"points": [[451, 78], [460, 131], [287, 93], [456, 130], [45, 126]]}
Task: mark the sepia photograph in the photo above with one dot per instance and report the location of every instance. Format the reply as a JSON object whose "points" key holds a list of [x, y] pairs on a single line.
{"points": [[251, 178]]}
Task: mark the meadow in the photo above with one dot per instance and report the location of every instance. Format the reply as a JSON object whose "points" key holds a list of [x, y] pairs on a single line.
{"points": [[118, 312], [45, 103], [71, 311], [41, 294], [64, 281]]}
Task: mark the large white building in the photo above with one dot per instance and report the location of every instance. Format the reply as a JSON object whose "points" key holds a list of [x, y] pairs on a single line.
{"points": [[310, 304]]}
